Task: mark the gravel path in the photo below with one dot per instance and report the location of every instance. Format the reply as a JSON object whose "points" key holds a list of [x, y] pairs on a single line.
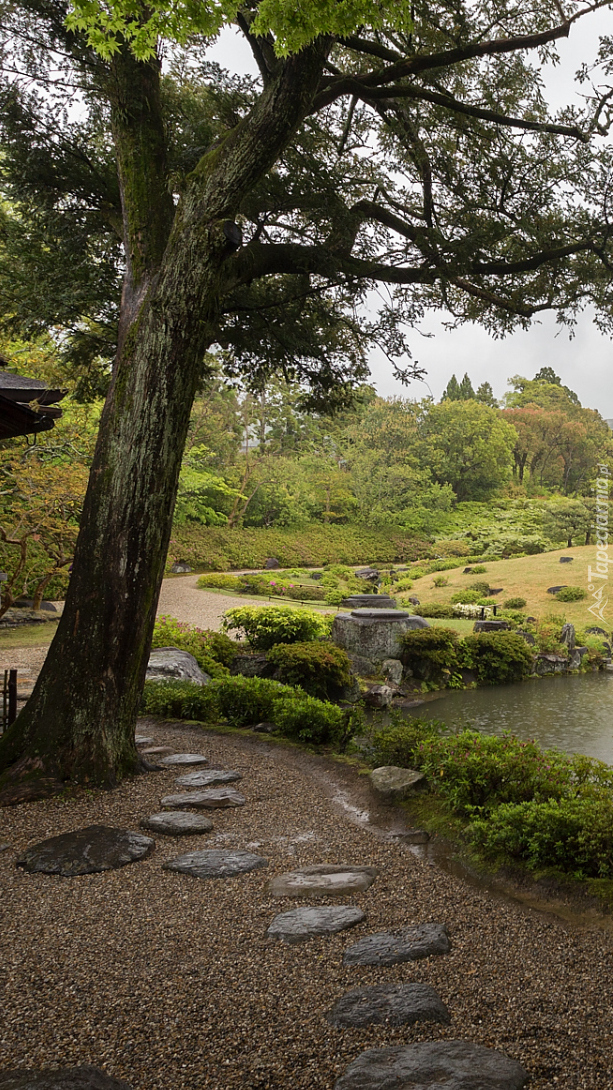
{"points": [[169, 981]]}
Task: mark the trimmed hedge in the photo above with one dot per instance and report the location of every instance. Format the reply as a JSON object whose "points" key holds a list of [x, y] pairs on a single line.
{"points": [[498, 658], [321, 669], [265, 626]]}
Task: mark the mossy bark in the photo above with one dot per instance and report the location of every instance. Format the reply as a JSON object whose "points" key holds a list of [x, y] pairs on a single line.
{"points": [[79, 722]]}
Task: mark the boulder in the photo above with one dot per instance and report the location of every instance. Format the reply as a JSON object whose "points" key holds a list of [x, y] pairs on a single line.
{"points": [[306, 923], [379, 696], [271, 563], [566, 559], [251, 665], [86, 851], [595, 631], [362, 666], [567, 636], [374, 633], [28, 603], [172, 664], [389, 1005], [395, 783], [554, 590], [548, 663], [323, 880], [392, 670], [491, 626], [394, 947], [179, 823], [181, 568], [61, 1078], [444, 1065], [216, 863], [414, 601], [370, 574], [527, 636]]}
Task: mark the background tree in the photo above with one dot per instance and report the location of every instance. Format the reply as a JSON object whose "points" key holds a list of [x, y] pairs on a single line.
{"points": [[267, 241], [567, 520]]}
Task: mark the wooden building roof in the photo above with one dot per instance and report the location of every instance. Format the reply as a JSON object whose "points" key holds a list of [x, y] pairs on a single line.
{"points": [[17, 417]]}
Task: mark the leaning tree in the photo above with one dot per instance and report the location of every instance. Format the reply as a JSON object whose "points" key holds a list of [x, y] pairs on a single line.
{"points": [[394, 151]]}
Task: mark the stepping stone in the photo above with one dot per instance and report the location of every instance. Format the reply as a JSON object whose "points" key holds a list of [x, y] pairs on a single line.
{"points": [[216, 798], [208, 778], [142, 740], [86, 851], [184, 759], [180, 823], [304, 923], [63, 1078], [157, 749], [323, 880], [389, 1004], [446, 1065], [216, 863], [390, 948]]}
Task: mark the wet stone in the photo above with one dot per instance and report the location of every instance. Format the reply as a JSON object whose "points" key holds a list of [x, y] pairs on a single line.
{"points": [[446, 1065], [86, 851], [216, 863], [184, 759], [210, 778], [390, 948], [216, 798], [323, 880], [394, 783], [179, 823], [305, 923], [389, 1004], [142, 740], [63, 1078]]}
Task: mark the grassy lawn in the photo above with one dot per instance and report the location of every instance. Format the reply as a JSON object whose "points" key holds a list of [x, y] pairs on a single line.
{"points": [[27, 635], [526, 577], [462, 625]]}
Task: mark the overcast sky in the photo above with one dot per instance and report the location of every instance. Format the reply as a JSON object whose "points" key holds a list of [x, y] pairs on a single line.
{"points": [[585, 362]]}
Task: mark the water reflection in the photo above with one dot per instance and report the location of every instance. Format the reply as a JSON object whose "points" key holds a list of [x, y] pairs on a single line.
{"points": [[572, 713]]}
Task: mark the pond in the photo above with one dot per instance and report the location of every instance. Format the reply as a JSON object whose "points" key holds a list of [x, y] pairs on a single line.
{"points": [[574, 713]]}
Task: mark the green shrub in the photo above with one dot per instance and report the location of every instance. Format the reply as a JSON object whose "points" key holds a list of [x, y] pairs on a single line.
{"points": [[574, 835], [467, 597], [434, 609], [220, 581], [246, 700], [403, 584], [309, 720], [306, 594], [440, 581], [514, 603], [213, 651], [479, 569], [571, 594], [181, 700], [397, 742], [481, 588], [265, 626], [498, 657], [321, 669], [427, 652]]}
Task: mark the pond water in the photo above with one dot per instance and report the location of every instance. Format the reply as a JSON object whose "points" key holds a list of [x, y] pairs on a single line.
{"points": [[574, 714]]}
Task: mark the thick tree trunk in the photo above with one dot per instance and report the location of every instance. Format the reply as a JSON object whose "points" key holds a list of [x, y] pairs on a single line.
{"points": [[79, 722]]}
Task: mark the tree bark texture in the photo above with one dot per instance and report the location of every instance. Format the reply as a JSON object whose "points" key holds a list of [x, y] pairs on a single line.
{"points": [[79, 722]]}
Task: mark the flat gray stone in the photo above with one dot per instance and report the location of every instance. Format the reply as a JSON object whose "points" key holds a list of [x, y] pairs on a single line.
{"points": [[86, 851], [379, 696], [389, 1004], [184, 759], [392, 947], [209, 778], [394, 783], [63, 1078], [152, 750], [142, 740], [323, 880], [433, 1065], [305, 923], [179, 823], [216, 863], [215, 798], [172, 664]]}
